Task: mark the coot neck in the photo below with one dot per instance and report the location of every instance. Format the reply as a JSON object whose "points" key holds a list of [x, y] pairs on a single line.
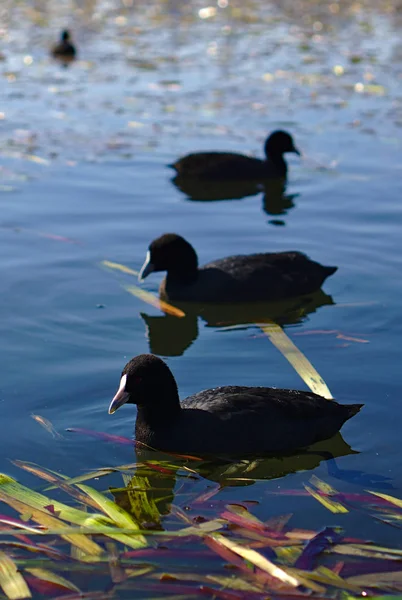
{"points": [[159, 414], [278, 162], [185, 275]]}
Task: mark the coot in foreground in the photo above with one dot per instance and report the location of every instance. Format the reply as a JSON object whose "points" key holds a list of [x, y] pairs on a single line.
{"points": [[236, 420]]}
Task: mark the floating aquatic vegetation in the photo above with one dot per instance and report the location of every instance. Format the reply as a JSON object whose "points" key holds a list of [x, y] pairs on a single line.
{"points": [[152, 540]]}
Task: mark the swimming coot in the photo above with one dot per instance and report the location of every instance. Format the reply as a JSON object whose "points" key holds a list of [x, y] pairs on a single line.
{"points": [[230, 165], [225, 420], [242, 278], [64, 50]]}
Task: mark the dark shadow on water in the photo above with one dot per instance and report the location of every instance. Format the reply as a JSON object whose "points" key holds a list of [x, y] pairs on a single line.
{"points": [[171, 336], [275, 201], [159, 487]]}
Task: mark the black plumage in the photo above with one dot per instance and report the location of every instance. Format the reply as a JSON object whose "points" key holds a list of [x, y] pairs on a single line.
{"points": [[231, 165], [225, 420], [64, 50], [242, 278]]}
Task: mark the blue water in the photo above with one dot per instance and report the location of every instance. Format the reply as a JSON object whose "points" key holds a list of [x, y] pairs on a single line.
{"points": [[83, 155]]}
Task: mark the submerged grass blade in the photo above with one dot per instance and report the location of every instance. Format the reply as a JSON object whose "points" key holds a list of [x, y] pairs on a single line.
{"points": [[297, 359], [11, 581], [154, 301], [143, 295], [332, 505], [121, 517], [142, 505], [46, 424], [118, 267], [54, 578], [391, 499], [258, 560], [11, 490], [107, 437], [57, 480]]}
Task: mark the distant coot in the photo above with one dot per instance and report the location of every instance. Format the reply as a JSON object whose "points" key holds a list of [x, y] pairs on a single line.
{"points": [[242, 278], [230, 165], [225, 420], [64, 50]]}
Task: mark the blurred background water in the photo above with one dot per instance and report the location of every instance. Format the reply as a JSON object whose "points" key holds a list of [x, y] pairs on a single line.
{"points": [[83, 177]]}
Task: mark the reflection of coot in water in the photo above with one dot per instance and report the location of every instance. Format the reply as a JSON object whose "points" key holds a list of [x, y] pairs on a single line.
{"points": [[204, 190], [228, 420], [159, 487], [170, 336], [275, 200]]}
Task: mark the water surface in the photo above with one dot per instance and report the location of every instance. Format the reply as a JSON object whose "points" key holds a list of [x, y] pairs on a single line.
{"points": [[83, 178]]}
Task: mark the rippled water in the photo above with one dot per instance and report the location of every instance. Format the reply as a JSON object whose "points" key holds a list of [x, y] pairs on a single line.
{"points": [[83, 177]]}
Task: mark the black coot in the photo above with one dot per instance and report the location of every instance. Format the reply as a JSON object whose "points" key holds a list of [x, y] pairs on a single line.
{"points": [[64, 50], [225, 420], [231, 165], [242, 278]]}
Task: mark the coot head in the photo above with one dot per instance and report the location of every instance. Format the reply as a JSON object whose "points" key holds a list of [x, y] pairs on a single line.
{"points": [[172, 253], [65, 35], [278, 143], [148, 382]]}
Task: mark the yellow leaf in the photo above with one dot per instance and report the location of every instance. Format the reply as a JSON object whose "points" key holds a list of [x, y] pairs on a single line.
{"points": [[323, 486], [13, 584], [154, 301], [388, 498], [143, 294], [297, 359], [328, 577], [385, 581], [258, 560], [332, 505], [119, 267]]}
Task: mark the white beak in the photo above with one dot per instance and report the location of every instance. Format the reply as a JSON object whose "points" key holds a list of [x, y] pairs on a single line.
{"points": [[146, 268], [121, 396]]}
